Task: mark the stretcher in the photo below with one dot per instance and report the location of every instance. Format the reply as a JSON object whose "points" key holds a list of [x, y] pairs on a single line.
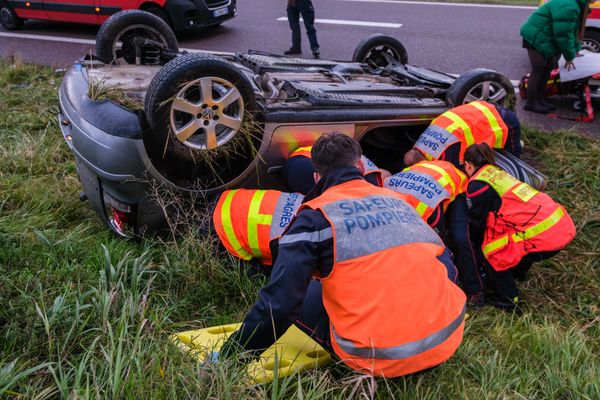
{"points": [[293, 352]]}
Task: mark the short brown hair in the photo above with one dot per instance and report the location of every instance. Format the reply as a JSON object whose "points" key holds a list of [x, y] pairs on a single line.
{"points": [[335, 150]]}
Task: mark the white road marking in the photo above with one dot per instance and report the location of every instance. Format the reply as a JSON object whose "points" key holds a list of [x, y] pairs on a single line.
{"points": [[353, 23], [432, 3], [63, 39]]}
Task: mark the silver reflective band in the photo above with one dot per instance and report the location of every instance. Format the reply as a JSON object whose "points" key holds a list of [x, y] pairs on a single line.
{"points": [[404, 350], [316, 237]]}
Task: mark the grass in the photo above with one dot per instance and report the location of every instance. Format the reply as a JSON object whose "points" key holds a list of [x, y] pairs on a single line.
{"points": [[87, 315]]}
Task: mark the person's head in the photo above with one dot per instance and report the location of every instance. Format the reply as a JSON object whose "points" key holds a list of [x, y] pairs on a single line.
{"points": [[478, 155], [335, 150], [412, 157]]}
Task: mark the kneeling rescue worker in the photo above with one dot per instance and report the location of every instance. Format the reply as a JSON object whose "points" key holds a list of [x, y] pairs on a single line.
{"points": [[451, 133], [513, 223], [247, 221], [436, 189], [384, 305]]}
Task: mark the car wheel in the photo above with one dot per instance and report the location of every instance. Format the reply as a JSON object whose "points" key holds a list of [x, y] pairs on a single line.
{"points": [[202, 111], [134, 37], [9, 18], [377, 49], [482, 84], [591, 41], [160, 14]]}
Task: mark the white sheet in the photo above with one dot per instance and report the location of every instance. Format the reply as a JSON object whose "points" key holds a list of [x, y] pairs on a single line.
{"points": [[586, 66]]}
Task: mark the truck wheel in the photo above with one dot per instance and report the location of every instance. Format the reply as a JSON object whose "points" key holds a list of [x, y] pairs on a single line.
{"points": [[376, 50], [591, 41], [202, 111], [9, 18], [482, 84], [134, 37], [160, 14]]}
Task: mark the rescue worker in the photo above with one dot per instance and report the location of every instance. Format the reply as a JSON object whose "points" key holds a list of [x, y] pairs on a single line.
{"points": [[246, 221], [298, 171], [385, 305], [512, 223], [452, 132], [436, 189]]}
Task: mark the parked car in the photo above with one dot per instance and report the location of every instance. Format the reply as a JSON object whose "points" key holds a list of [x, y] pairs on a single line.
{"points": [[179, 14], [591, 38], [203, 123]]}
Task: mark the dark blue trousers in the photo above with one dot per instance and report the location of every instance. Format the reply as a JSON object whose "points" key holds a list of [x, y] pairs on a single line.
{"points": [[305, 9]]}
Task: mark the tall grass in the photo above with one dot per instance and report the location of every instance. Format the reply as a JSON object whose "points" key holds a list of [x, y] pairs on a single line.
{"points": [[87, 315]]}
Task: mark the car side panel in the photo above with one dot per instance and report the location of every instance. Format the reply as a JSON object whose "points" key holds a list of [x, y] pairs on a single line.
{"points": [[35, 9], [110, 7], [82, 11]]}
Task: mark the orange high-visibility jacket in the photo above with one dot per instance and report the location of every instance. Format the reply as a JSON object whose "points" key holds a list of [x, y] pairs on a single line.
{"points": [[473, 123], [392, 309], [370, 167], [247, 220], [527, 221], [428, 184]]}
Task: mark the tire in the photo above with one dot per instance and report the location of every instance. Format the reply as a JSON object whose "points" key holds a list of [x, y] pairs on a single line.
{"points": [[160, 13], [114, 41], [200, 131], [371, 50], [9, 18], [472, 85], [591, 41]]}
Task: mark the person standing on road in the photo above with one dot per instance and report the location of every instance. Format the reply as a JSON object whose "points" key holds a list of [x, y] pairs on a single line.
{"points": [[552, 30], [304, 8]]}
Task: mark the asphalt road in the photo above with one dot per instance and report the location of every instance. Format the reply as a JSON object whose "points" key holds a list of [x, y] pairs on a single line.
{"points": [[448, 37]]}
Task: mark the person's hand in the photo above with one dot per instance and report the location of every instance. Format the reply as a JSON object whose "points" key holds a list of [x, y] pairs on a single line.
{"points": [[570, 65], [291, 3], [211, 358], [579, 54]]}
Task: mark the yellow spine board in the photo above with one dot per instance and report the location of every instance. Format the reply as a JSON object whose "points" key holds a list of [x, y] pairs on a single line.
{"points": [[293, 352]]}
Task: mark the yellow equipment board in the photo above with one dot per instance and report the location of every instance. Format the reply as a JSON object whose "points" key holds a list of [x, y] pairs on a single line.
{"points": [[294, 351]]}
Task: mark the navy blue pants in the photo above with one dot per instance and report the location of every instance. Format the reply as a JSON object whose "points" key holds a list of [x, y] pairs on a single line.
{"points": [[304, 8], [314, 320]]}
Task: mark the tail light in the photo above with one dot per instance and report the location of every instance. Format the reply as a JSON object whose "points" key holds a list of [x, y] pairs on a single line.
{"points": [[121, 216]]}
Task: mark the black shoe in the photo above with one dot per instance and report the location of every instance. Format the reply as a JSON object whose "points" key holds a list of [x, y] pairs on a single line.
{"points": [[475, 301], [292, 51], [548, 104], [536, 107], [504, 303], [316, 53]]}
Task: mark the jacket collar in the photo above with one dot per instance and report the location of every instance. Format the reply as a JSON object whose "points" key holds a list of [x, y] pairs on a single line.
{"points": [[332, 178]]}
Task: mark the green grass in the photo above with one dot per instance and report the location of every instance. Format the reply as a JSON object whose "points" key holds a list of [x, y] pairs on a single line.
{"points": [[86, 315]]}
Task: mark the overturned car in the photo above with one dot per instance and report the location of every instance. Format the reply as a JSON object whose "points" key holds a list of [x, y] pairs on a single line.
{"points": [[147, 116]]}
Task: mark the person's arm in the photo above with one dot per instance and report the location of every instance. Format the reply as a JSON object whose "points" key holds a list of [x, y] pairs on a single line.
{"points": [[279, 302], [452, 154], [482, 199], [513, 141], [565, 28]]}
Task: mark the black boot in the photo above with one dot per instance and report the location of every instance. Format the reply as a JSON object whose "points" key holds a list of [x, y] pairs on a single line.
{"points": [[534, 105], [548, 104], [292, 51]]}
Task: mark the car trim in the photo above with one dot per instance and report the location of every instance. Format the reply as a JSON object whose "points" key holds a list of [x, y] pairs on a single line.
{"points": [[64, 7]]}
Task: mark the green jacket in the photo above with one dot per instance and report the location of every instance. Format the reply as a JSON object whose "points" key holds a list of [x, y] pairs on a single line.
{"points": [[553, 29]]}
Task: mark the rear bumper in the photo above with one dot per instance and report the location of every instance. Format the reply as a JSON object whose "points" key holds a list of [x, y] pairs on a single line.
{"points": [[191, 14]]}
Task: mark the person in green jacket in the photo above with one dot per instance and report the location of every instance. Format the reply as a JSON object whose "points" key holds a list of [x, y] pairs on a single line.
{"points": [[553, 29]]}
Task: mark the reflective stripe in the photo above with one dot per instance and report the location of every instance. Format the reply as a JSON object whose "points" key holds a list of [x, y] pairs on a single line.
{"points": [[458, 122], [421, 208], [405, 350], [316, 237], [527, 234], [540, 227], [255, 219], [445, 180], [228, 227], [495, 245], [492, 121]]}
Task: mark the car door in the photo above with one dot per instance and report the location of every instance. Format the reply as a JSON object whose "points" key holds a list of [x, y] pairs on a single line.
{"points": [[82, 11], [29, 9]]}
